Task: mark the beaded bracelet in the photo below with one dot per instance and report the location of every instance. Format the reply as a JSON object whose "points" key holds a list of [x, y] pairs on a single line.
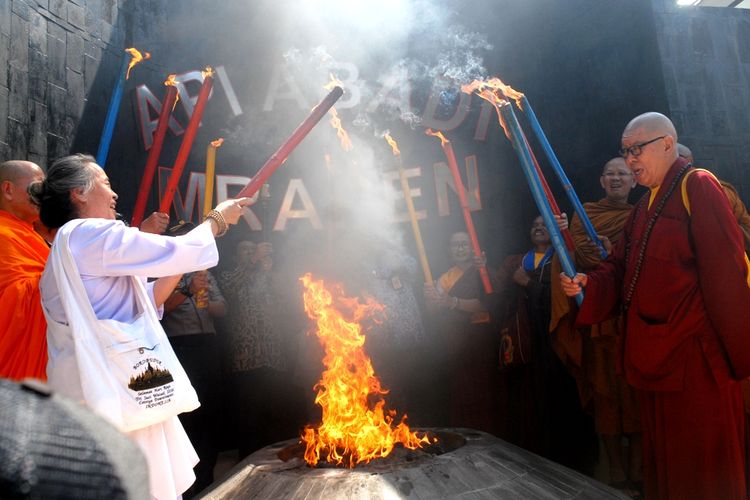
{"points": [[221, 223]]}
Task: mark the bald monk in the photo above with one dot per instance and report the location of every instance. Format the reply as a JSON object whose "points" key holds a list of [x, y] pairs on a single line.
{"points": [[590, 353], [23, 253], [680, 275]]}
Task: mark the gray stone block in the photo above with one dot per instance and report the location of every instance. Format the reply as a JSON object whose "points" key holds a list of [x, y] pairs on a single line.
{"points": [[19, 95], [74, 52], [37, 76], [21, 9], [4, 151], [90, 67], [107, 32], [4, 96], [56, 53], [92, 49], [75, 98], [18, 138], [109, 11], [56, 146], [38, 32], [743, 40], [76, 16], [4, 54], [59, 8], [19, 49], [5, 17], [38, 128], [55, 108]]}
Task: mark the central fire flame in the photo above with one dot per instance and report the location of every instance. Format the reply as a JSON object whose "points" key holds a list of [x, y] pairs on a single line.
{"points": [[135, 58], [355, 426], [346, 142], [217, 143]]}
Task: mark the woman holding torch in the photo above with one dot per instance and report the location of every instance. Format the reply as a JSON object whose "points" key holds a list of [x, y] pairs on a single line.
{"points": [[98, 264]]}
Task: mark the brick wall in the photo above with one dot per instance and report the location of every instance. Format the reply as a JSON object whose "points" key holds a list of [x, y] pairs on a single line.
{"points": [[51, 52], [706, 63]]}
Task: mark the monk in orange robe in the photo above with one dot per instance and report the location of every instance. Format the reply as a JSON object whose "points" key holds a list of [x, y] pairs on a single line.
{"points": [[590, 353], [680, 274], [23, 252]]}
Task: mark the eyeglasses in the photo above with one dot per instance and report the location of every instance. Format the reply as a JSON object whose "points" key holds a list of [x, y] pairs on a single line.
{"points": [[460, 244], [637, 149]]}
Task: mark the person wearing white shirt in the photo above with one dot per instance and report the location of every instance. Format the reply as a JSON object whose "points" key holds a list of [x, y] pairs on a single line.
{"points": [[107, 255]]}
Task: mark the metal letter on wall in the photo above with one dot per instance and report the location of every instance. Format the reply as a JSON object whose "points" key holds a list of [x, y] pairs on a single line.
{"points": [[292, 92], [393, 183], [193, 196], [444, 180], [297, 188], [461, 111], [146, 101]]}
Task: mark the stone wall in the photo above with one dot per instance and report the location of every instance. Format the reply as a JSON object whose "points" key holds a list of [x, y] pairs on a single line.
{"points": [[52, 52], [706, 64]]}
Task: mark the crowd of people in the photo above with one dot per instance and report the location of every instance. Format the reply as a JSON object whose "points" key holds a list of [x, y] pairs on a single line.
{"points": [[135, 324]]}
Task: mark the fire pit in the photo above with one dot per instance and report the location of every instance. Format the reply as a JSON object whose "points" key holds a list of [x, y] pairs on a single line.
{"points": [[464, 464]]}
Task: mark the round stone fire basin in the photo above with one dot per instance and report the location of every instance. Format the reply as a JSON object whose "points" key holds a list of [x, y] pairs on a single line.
{"points": [[465, 464]]}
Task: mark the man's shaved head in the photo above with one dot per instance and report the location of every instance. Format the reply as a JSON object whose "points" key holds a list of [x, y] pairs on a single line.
{"points": [[14, 170], [651, 123], [15, 177]]}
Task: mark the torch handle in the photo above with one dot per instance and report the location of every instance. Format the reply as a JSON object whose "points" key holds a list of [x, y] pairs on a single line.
{"points": [[548, 192], [523, 152], [453, 165], [153, 156], [572, 196], [187, 144], [112, 111], [208, 192], [281, 154], [415, 225]]}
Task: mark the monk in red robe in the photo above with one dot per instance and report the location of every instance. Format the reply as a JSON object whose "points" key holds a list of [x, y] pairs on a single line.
{"points": [[680, 274], [590, 353], [23, 252]]}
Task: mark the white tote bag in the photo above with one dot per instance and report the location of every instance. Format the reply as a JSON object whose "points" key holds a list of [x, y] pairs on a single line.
{"points": [[129, 373]]}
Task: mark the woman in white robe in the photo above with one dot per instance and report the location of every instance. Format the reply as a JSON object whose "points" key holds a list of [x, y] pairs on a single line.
{"points": [[108, 254]]}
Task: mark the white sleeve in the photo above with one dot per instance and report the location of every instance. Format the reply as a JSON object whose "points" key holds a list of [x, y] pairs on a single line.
{"points": [[108, 248]]}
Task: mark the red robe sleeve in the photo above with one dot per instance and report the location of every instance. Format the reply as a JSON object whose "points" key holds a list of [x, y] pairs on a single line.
{"points": [[722, 268]]}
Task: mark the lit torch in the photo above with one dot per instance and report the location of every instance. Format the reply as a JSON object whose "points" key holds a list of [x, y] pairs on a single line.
{"points": [[410, 207], [187, 140], [355, 426], [208, 193], [523, 104], [281, 154], [153, 155], [114, 103], [452, 164], [533, 178], [346, 143]]}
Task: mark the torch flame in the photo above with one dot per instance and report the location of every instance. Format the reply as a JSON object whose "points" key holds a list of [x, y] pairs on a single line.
{"points": [[208, 72], [346, 143], [172, 82], [488, 90], [494, 84], [217, 143], [355, 427], [135, 58], [392, 143], [437, 134]]}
